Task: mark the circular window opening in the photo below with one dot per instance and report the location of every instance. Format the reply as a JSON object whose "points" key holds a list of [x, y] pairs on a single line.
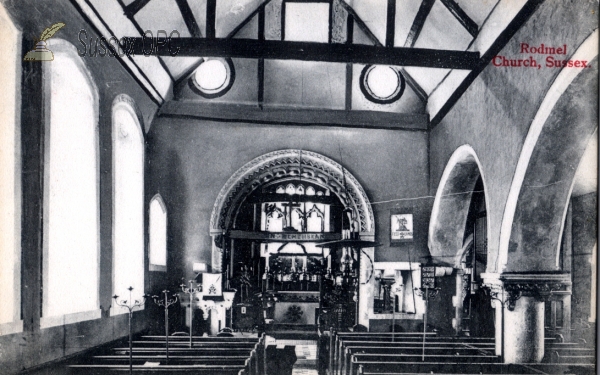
{"points": [[381, 84], [213, 77]]}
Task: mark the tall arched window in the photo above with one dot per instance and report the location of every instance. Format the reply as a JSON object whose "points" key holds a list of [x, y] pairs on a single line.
{"points": [[158, 234], [10, 181], [71, 199], [128, 203]]}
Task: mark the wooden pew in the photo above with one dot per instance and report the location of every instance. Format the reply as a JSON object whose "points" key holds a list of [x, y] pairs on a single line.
{"points": [[474, 369], [459, 360], [173, 360], [201, 338], [103, 369], [183, 351], [398, 368], [572, 355], [401, 367], [195, 344], [412, 350], [449, 342], [219, 356]]}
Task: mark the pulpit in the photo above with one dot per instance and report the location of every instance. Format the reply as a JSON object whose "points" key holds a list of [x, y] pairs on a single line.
{"points": [[205, 296]]}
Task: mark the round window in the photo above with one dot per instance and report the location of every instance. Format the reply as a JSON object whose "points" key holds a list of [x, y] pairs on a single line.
{"points": [[381, 84], [213, 77]]}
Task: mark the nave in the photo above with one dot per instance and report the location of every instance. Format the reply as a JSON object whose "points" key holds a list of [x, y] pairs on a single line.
{"points": [[343, 353]]}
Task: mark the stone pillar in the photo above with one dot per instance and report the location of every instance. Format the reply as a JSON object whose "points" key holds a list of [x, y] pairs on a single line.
{"points": [[367, 281], [498, 306], [457, 301], [524, 331], [519, 301], [566, 328]]}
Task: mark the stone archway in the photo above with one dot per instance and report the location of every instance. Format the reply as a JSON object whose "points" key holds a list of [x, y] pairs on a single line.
{"points": [[528, 273], [451, 240], [285, 163], [535, 209], [451, 206], [331, 181]]}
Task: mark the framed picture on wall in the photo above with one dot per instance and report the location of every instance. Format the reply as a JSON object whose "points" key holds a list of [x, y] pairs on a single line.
{"points": [[401, 227]]}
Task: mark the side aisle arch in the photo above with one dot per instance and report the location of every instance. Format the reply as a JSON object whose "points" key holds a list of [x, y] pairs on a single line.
{"points": [[538, 197], [451, 206]]}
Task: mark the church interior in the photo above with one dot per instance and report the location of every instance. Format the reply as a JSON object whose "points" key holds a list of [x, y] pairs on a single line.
{"points": [[330, 187]]}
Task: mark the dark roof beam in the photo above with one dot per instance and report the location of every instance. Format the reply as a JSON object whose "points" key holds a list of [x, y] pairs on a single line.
{"points": [[134, 7], [361, 24], [211, 18], [137, 26], [524, 14], [414, 85], [258, 9], [390, 29], [188, 18], [418, 22], [462, 17], [308, 51], [252, 114]]}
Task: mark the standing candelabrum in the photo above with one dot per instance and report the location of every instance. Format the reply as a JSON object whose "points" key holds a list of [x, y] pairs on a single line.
{"points": [[130, 305], [166, 303], [426, 292], [191, 291]]}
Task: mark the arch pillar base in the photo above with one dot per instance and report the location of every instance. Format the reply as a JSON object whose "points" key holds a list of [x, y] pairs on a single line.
{"points": [[519, 300]]}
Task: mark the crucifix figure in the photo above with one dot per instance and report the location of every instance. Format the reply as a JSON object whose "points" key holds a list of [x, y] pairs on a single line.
{"points": [[288, 209]]}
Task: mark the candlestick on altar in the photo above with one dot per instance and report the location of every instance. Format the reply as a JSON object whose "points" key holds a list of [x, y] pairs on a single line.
{"points": [[166, 303], [191, 291], [131, 305]]}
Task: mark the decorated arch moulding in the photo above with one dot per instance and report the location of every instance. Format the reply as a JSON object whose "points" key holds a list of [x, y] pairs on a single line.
{"points": [[282, 165]]}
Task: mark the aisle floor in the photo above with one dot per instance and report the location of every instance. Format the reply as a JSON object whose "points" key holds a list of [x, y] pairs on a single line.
{"points": [[306, 363]]}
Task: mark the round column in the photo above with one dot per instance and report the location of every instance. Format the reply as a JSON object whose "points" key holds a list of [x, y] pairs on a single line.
{"points": [[524, 331], [498, 322]]}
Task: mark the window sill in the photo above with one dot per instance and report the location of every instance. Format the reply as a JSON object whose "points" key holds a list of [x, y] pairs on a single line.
{"points": [[157, 268], [61, 320], [11, 328], [116, 310]]}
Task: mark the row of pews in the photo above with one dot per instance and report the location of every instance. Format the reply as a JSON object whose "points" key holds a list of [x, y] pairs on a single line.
{"points": [[370, 353], [236, 355]]}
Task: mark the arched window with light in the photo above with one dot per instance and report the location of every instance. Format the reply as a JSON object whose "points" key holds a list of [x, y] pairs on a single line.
{"points": [[10, 179], [158, 234], [128, 199], [71, 191]]}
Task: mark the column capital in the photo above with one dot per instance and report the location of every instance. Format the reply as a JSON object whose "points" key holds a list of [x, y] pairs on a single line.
{"points": [[540, 285]]}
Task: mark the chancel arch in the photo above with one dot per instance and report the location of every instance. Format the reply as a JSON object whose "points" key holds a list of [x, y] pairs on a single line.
{"points": [[267, 224], [71, 194], [128, 199], [285, 164]]}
